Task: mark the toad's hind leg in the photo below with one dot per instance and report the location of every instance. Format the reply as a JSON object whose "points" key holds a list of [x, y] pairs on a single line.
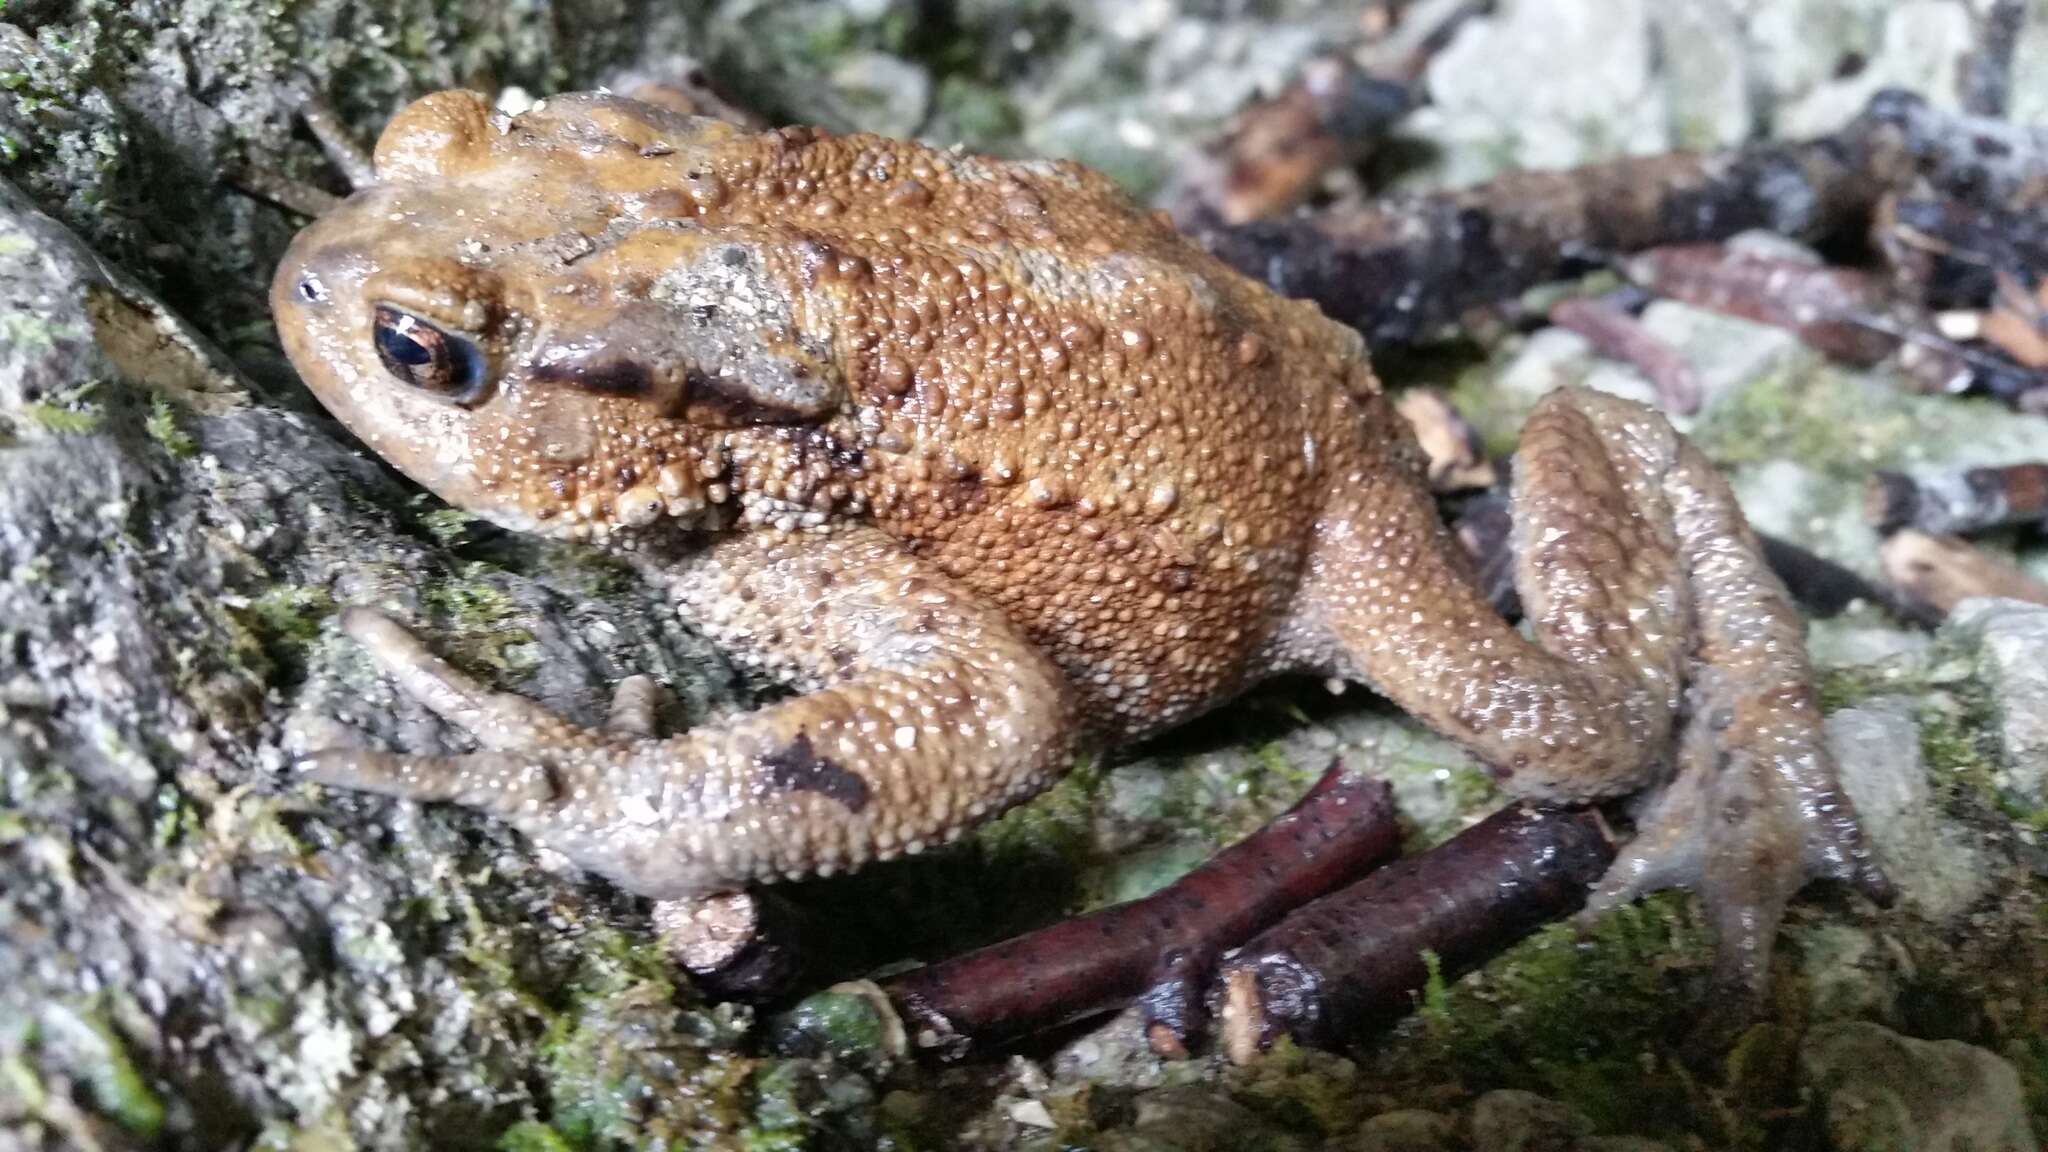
{"points": [[1650, 607], [924, 711]]}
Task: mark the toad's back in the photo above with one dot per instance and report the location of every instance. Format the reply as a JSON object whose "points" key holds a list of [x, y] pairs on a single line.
{"points": [[1066, 405]]}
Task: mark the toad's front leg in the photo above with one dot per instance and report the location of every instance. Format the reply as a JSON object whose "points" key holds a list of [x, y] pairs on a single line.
{"points": [[925, 712]]}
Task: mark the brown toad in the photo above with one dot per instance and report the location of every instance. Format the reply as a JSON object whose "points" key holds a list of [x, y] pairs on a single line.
{"points": [[991, 466]]}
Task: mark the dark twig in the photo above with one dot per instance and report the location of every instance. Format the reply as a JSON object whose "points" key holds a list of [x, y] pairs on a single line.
{"points": [[1617, 335], [1354, 957], [737, 946], [2018, 325], [1275, 151], [1944, 571], [1957, 503], [1986, 81], [1825, 588], [1981, 159], [1160, 947], [1951, 253], [1486, 527], [1832, 310], [1399, 269]]}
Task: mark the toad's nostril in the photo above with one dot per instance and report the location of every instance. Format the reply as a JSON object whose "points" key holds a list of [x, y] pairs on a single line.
{"points": [[312, 290]]}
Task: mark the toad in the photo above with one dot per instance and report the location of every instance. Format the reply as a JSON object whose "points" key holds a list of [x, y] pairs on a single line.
{"points": [[991, 467]]}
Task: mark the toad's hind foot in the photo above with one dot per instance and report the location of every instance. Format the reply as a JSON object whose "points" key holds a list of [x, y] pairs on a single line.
{"points": [[1656, 623], [1754, 810]]}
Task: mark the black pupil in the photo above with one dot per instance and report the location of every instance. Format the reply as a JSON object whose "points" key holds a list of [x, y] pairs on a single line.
{"points": [[396, 341]]}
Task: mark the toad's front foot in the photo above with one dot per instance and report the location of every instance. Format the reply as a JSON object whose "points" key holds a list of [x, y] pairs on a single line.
{"points": [[928, 713]]}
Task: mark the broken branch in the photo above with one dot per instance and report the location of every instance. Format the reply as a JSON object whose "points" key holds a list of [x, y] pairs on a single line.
{"points": [[1354, 957], [1944, 571], [1617, 335], [1399, 269], [1159, 947], [1957, 503]]}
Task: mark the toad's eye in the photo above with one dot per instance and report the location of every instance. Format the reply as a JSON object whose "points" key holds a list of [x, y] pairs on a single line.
{"points": [[449, 366]]}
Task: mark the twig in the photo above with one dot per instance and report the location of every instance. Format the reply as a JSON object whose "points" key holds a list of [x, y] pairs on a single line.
{"points": [[347, 154], [1952, 252], [271, 187], [1275, 151], [736, 946], [1457, 456], [1160, 947], [1986, 82], [1486, 527], [1957, 503], [1355, 956], [1833, 310], [2018, 326], [1944, 571], [1425, 28], [1981, 159], [1399, 269], [1615, 334], [1825, 588]]}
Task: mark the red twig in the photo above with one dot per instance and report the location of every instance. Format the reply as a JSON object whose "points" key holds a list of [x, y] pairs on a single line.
{"points": [[1159, 947], [1355, 956], [1615, 334]]}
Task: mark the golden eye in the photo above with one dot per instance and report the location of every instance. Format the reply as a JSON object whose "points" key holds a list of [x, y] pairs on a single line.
{"points": [[415, 351]]}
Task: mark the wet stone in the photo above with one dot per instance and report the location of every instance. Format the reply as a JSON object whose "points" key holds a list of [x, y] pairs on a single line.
{"points": [[1877, 1090], [2013, 659]]}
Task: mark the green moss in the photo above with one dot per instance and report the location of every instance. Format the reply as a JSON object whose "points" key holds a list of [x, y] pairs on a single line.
{"points": [[21, 1082], [118, 1088], [447, 525], [162, 426], [1056, 825], [1491, 410], [1588, 1021], [843, 1024], [970, 110], [482, 622], [627, 1066], [67, 413], [1303, 1088], [532, 1136], [270, 635]]}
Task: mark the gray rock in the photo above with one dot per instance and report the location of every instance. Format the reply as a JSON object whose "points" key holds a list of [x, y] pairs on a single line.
{"points": [[2012, 656], [1406, 1130], [1510, 1121], [1725, 352], [1498, 98], [1936, 864], [1847, 976], [1196, 1119], [1706, 73], [1878, 1090], [886, 94], [170, 553], [1922, 48]]}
